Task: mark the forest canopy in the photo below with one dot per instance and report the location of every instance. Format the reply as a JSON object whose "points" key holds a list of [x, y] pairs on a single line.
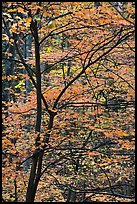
{"points": [[68, 101]]}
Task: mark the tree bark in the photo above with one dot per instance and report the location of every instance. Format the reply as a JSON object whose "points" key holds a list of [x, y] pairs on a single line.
{"points": [[37, 156], [71, 196]]}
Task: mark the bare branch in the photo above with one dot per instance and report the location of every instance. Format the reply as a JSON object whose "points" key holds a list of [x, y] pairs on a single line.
{"points": [[121, 13]]}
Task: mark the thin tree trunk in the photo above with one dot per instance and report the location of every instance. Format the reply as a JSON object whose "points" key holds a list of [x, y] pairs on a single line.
{"points": [[71, 196], [37, 156]]}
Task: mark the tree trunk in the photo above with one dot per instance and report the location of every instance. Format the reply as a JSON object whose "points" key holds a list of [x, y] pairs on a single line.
{"points": [[37, 156], [71, 196]]}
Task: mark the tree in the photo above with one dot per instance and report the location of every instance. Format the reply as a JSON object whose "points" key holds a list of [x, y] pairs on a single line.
{"points": [[80, 84]]}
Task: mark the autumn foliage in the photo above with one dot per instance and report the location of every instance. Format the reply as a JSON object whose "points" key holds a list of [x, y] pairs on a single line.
{"points": [[68, 101]]}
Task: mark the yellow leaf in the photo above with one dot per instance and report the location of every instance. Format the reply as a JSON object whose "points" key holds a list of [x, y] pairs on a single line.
{"points": [[21, 10], [125, 134], [5, 37], [28, 21], [51, 25], [11, 40], [120, 133], [13, 28], [12, 10], [27, 24]]}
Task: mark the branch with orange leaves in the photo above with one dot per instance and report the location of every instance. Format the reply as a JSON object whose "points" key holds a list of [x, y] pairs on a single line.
{"points": [[85, 66]]}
